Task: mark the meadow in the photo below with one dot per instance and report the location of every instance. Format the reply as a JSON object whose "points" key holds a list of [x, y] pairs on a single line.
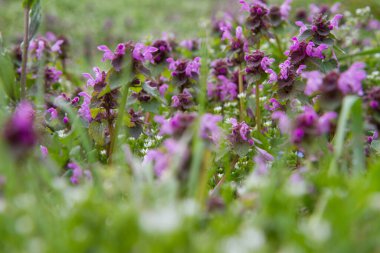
{"points": [[189, 126]]}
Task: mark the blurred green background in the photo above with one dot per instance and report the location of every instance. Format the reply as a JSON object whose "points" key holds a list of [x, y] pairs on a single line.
{"points": [[88, 23], [130, 18]]}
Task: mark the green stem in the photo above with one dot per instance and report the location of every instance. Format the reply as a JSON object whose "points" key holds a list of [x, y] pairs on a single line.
{"points": [[258, 111], [241, 99], [25, 52], [278, 42], [119, 122]]}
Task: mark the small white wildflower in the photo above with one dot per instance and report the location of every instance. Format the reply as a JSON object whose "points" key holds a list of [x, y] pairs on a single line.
{"points": [[61, 133], [267, 123], [218, 109], [242, 95]]}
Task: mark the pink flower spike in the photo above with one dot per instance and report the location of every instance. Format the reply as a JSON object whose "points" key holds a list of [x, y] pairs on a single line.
{"points": [[314, 81], [108, 54], [57, 46], [350, 82], [44, 151], [300, 69], [244, 5], [53, 113], [302, 26], [324, 122], [335, 21], [272, 76], [285, 9]]}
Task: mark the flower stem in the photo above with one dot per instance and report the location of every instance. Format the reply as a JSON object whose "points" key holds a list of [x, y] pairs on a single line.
{"points": [[202, 189], [119, 122], [278, 43], [25, 52], [241, 98]]}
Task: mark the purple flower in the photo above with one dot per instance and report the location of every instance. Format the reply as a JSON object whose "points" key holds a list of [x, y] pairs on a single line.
{"points": [[57, 46], [302, 27], [37, 47], [183, 100], [334, 23], [316, 52], [209, 128], [300, 69], [19, 132], [220, 67], [266, 62], [238, 44], [65, 120], [53, 113], [373, 25], [109, 55], [314, 81], [100, 77], [85, 111], [284, 122], [163, 51], [159, 159], [143, 53], [180, 67], [305, 126], [258, 63], [262, 160], [272, 75], [159, 84], [273, 105], [350, 82], [191, 45], [176, 125], [52, 75], [44, 151], [78, 174], [224, 90], [324, 122], [285, 9], [284, 69], [240, 133], [193, 67], [162, 158]]}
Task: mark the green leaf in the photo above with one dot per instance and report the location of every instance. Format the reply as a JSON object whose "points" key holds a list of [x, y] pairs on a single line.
{"points": [[362, 53], [329, 65], [35, 19], [151, 106], [117, 79], [153, 92], [7, 77], [96, 131], [357, 129], [28, 3], [104, 91], [352, 108], [305, 35]]}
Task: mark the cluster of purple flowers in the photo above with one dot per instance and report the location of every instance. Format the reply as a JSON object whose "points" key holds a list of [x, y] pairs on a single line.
{"points": [[240, 133], [19, 131], [348, 82], [176, 125], [45, 44], [305, 126], [184, 71], [78, 174]]}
